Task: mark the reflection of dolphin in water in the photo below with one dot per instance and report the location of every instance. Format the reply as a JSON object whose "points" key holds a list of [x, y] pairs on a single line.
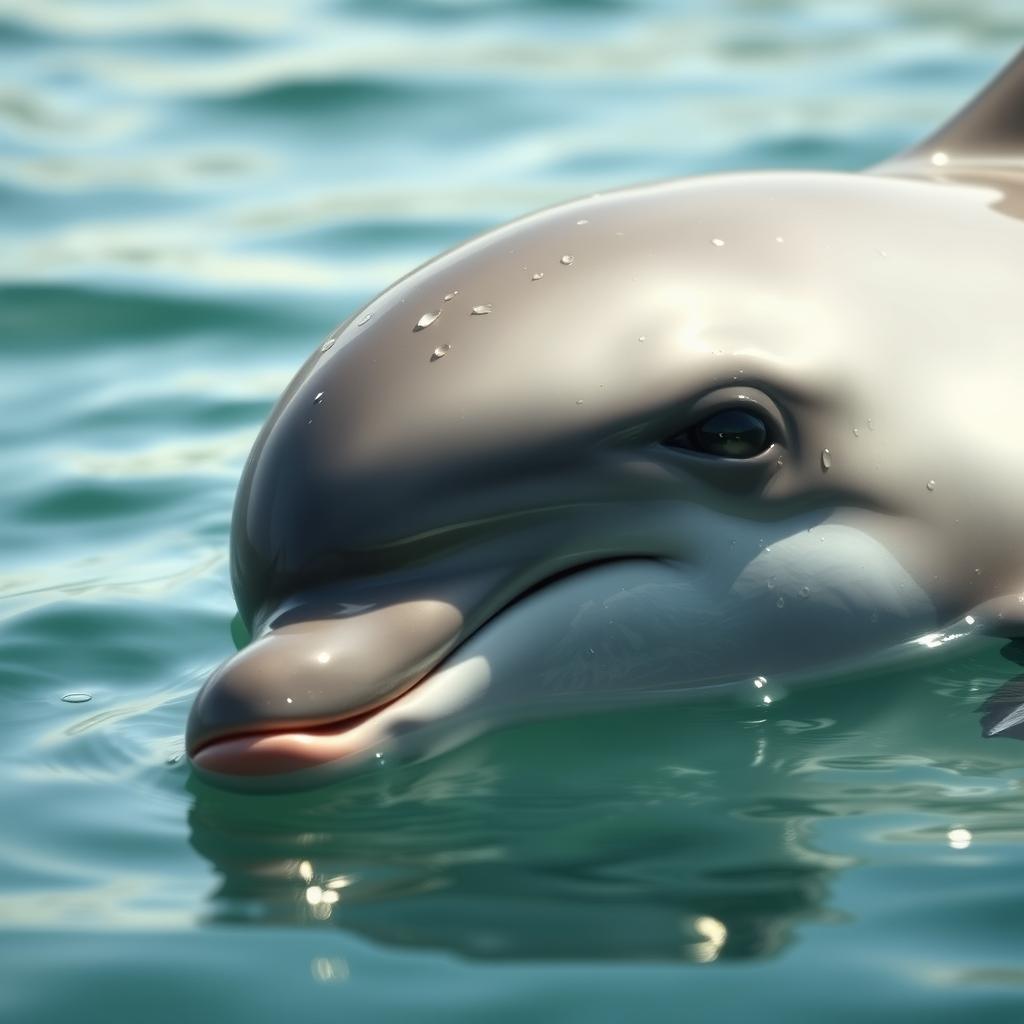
{"points": [[494, 852], [702, 833], [682, 435]]}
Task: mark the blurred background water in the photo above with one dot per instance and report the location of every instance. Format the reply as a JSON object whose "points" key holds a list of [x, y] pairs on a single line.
{"points": [[192, 194]]}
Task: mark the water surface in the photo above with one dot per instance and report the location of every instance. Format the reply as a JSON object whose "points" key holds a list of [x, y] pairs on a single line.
{"points": [[192, 196]]}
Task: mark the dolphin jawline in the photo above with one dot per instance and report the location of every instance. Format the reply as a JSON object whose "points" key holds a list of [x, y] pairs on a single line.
{"points": [[269, 747]]}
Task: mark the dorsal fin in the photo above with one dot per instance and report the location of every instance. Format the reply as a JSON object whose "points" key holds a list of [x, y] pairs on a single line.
{"points": [[988, 131]]}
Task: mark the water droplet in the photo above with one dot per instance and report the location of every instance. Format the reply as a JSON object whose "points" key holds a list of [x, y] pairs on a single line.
{"points": [[567, 260], [426, 320], [440, 352], [318, 398], [76, 698], [536, 277], [482, 310], [760, 682], [882, 253], [977, 572], [766, 699], [771, 582], [584, 221], [579, 401], [364, 319], [826, 460], [871, 426], [781, 603], [856, 431], [643, 337], [718, 242], [174, 759], [779, 239], [328, 344], [450, 296], [930, 485], [940, 159], [805, 591], [778, 461]]}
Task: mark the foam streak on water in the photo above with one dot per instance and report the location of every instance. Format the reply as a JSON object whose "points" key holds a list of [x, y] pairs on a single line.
{"points": [[194, 196]]}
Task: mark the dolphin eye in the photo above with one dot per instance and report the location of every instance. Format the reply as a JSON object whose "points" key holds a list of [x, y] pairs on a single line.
{"points": [[729, 434]]}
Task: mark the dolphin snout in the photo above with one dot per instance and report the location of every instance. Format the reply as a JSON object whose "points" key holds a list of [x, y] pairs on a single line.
{"points": [[322, 671]]}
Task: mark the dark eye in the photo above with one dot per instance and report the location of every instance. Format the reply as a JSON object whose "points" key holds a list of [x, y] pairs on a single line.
{"points": [[729, 434]]}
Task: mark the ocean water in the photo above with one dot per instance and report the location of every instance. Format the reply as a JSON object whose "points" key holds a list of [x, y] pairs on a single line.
{"points": [[192, 195]]}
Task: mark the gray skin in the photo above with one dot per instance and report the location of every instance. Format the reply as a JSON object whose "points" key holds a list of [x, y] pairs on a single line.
{"points": [[463, 509]]}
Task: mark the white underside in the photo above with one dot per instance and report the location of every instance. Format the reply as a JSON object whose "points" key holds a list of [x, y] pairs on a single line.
{"points": [[811, 603]]}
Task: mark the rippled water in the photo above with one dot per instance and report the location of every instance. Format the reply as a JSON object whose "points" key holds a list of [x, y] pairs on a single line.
{"points": [[192, 195]]}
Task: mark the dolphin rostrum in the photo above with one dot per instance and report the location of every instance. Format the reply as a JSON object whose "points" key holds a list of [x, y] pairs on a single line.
{"points": [[729, 430]]}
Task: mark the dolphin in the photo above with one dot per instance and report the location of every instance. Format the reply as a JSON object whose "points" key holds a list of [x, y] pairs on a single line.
{"points": [[737, 431]]}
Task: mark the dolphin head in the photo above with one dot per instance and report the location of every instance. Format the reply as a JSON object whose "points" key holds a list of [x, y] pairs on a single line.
{"points": [[745, 427]]}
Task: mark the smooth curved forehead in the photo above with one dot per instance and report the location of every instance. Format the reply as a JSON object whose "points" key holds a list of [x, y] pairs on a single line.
{"points": [[594, 308]]}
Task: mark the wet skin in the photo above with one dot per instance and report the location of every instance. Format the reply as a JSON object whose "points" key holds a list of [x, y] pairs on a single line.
{"points": [[756, 425]]}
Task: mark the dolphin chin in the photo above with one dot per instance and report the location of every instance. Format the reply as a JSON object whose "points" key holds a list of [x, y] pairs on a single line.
{"points": [[668, 439]]}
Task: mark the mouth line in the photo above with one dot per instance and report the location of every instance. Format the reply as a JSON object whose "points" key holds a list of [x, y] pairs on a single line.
{"points": [[331, 728], [337, 727]]}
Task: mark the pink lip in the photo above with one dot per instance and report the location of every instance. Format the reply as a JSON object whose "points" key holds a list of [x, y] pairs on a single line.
{"points": [[287, 750]]}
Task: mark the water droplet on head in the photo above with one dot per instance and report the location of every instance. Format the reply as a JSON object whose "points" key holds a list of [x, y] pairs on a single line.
{"points": [[329, 343], [579, 401], [781, 603], [76, 698], [856, 431], [805, 591], [567, 260], [536, 277], [930, 485], [718, 242], [826, 460], [450, 296], [779, 239], [426, 320], [643, 337], [760, 682], [482, 310], [771, 582], [940, 159], [778, 461], [364, 319], [583, 221], [440, 352], [871, 426], [318, 398]]}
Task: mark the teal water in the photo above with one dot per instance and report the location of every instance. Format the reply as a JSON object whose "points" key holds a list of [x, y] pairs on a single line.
{"points": [[191, 197]]}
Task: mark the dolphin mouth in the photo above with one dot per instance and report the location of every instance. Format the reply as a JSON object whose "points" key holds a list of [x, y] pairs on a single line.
{"points": [[273, 750], [284, 751]]}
